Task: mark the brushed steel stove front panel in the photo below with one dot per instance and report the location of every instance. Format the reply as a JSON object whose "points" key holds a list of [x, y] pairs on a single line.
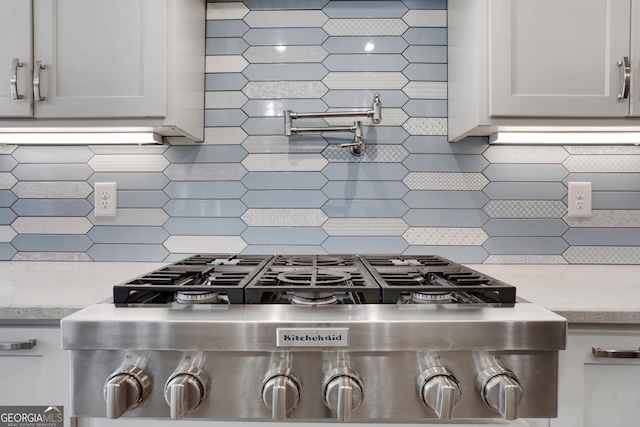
{"points": [[389, 383]]}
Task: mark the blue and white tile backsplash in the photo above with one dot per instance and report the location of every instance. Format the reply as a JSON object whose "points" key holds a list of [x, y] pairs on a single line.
{"points": [[250, 189]]}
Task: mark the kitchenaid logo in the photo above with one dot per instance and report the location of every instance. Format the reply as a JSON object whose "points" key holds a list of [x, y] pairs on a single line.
{"points": [[31, 416], [312, 337]]}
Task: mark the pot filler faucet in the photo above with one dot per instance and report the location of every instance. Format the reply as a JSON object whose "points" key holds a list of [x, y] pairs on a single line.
{"points": [[357, 146]]}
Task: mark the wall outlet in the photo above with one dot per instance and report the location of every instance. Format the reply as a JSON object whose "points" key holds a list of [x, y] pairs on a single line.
{"points": [[579, 199], [106, 199]]}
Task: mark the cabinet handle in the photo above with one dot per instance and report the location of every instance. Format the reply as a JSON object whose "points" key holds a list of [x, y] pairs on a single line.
{"points": [[616, 354], [625, 77], [36, 82], [22, 345], [14, 78]]}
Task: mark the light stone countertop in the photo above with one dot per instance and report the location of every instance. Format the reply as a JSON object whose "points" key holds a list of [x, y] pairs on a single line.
{"points": [[580, 293], [48, 291], [34, 290]]}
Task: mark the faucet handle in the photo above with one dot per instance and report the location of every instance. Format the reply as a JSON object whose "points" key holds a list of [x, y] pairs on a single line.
{"points": [[357, 146]]}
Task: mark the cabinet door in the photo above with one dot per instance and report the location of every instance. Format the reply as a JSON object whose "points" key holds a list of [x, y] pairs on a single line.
{"points": [[37, 376], [558, 58], [595, 392], [102, 58], [15, 34]]}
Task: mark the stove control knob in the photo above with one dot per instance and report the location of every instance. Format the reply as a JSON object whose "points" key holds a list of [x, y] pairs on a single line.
{"points": [[501, 390], [281, 393], [343, 392], [184, 391], [125, 389], [440, 391]]}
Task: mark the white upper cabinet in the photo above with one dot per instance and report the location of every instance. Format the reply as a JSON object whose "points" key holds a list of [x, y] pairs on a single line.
{"points": [[519, 65], [102, 58], [15, 58], [103, 63]]}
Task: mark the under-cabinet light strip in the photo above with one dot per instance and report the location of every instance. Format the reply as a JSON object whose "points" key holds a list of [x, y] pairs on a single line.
{"points": [[561, 138], [80, 138]]}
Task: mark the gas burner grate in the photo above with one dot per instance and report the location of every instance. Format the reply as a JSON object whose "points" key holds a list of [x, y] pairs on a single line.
{"points": [[347, 279], [466, 287], [221, 274]]}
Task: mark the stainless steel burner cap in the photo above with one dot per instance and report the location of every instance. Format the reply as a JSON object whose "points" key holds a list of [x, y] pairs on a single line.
{"points": [[314, 298], [196, 297], [431, 297]]}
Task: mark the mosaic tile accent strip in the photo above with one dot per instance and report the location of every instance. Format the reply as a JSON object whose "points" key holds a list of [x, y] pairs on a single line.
{"points": [[285, 54], [426, 90], [525, 209], [603, 163], [285, 18], [525, 154], [226, 10], [283, 89], [284, 162], [222, 99], [373, 153], [365, 80], [525, 259], [225, 64], [603, 255], [52, 225], [365, 226], [205, 244], [52, 190], [133, 163], [445, 236], [426, 18], [284, 217], [607, 218], [224, 135], [365, 27], [445, 181], [426, 126], [51, 256]]}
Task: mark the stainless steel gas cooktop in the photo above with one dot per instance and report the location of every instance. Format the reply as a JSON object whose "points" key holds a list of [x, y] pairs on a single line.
{"points": [[313, 337]]}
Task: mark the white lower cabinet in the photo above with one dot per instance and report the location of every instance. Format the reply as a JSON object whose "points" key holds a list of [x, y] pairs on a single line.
{"points": [[37, 376], [599, 391]]}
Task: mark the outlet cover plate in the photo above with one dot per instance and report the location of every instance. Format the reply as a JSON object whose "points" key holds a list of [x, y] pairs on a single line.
{"points": [[579, 199], [106, 199]]}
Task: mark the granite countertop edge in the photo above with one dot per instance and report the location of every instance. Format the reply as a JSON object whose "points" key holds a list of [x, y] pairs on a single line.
{"points": [[586, 294]]}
